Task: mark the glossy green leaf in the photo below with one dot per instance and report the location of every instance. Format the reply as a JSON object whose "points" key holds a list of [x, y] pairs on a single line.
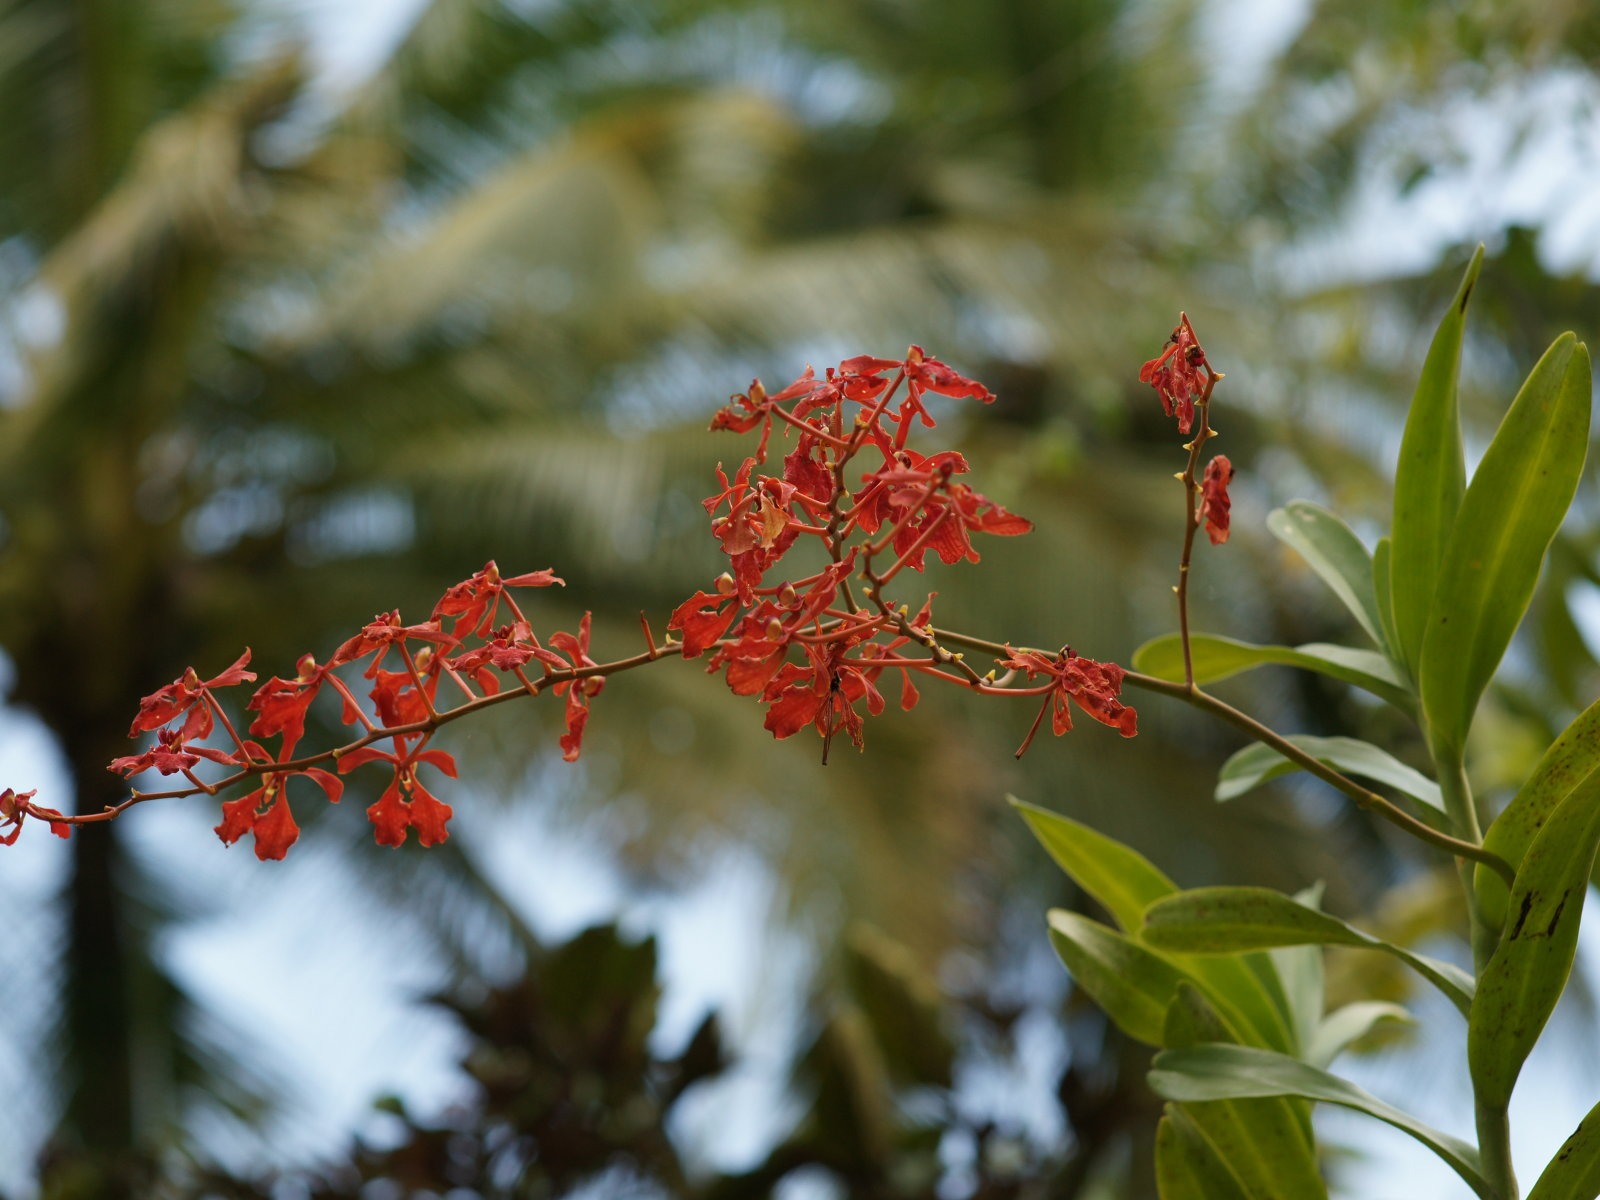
{"points": [[1257, 763], [1516, 501], [1240, 1072], [1119, 878], [1429, 480], [1124, 883], [1133, 985], [1188, 1166], [1267, 1142], [1336, 554], [1574, 1173], [1349, 1024], [1522, 981], [1571, 759], [1301, 970], [1219, 657], [1219, 920], [1383, 587]]}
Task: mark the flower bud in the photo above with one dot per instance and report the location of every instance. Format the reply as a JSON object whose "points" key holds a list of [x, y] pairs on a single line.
{"points": [[787, 596], [774, 630], [726, 585]]}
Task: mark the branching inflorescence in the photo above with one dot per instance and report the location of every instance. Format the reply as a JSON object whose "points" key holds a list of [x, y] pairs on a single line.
{"points": [[812, 643]]}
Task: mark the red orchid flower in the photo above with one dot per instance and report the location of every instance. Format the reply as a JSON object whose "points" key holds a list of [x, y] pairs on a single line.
{"points": [[281, 704], [265, 812], [512, 646], [578, 691], [170, 755], [405, 803], [1178, 374], [756, 650], [822, 694], [383, 632], [15, 807], [1092, 686], [186, 694], [923, 374], [703, 618], [475, 602]]}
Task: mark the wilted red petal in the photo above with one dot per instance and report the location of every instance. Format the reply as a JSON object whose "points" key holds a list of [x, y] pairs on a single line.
{"points": [[577, 719], [234, 674], [1214, 505], [702, 621], [544, 578], [794, 709], [748, 676], [866, 364], [1178, 374]]}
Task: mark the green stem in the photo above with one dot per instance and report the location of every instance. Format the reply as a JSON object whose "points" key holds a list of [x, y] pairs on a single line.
{"points": [[1463, 812], [1493, 1120], [1364, 797], [1494, 1148]]}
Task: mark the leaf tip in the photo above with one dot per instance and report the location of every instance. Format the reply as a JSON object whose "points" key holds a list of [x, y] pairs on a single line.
{"points": [[1469, 280]]}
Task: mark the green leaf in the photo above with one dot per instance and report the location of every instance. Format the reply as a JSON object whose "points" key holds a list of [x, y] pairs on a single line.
{"points": [[1336, 554], [1382, 587], [1574, 1173], [1125, 883], [1188, 1166], [1118, 877], [1301, 970], [1219, 657], [1516, 501], [1267, 1142], [1429, 479], [1220, 920], [1519, 987], [1349, 1024], [1571, 759], [1132, 984], [1258, 763], [1240, 1072]]}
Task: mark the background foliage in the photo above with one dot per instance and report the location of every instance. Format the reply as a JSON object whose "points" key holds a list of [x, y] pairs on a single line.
{"points": [[279, 348]]}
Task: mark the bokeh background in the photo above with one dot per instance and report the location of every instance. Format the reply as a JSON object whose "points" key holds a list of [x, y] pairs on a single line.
{"points": [[310, 307]]}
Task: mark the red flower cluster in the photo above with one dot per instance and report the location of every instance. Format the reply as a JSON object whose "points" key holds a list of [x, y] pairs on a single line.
{"points": [[1182, 376], [1092, 686], [459, 642], [811, 647], [1179, 374]]}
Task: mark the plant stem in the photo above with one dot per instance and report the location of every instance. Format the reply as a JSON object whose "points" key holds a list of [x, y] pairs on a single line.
{"points": [[1463, 811], [1494, 1148], [1364, 797], [1493, 1120], [1191, 500]]}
